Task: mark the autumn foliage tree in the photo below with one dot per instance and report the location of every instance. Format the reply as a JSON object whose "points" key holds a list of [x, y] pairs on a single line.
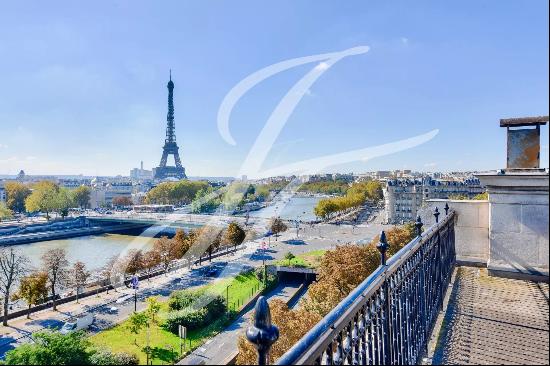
{"points": [[81, 196], [55, 265], [134, 261], [182, 242], [16, 193], [210, 238], [344, 268], [277, 226], [33, 289], [166, 251], [234, 234], [122, 201], [79, 276], [340, 272], [293, 325]]}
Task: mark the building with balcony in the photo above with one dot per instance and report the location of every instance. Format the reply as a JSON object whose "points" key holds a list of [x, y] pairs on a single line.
{"points": [[405, 197], [471, 288], [3, 197]]}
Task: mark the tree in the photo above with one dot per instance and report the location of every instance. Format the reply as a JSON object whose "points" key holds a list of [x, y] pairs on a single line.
{"points": [[182, 242], [122, 201], [5, 213], [150, 260], [137, 322], [293, 325], [44, 198], [458, 196], [33, 289], [234, 234], [82, 196], [63, 202], [106, 357], [176, 193], [16, 193], [79, 276], [153, 308], [289, 257], [210, 238], [482, 196], [341, 270], [134, 261], [13, 267], [55, 264], [52, 348], [278, 226], [166, 250]]}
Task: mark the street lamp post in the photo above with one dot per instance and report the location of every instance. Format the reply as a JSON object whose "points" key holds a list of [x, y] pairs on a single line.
{"points": [[227, 298], [135, 285], [263, 264]]}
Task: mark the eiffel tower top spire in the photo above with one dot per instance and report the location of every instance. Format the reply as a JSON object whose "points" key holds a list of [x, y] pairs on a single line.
{"points": [[170, 146], [170, 124]]}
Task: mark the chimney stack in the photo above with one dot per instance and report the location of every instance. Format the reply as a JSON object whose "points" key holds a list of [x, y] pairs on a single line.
{"points": [[523, 142]]}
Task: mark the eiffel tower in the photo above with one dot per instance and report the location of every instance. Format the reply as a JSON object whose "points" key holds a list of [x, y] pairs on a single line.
{"points": [[170, 145]]}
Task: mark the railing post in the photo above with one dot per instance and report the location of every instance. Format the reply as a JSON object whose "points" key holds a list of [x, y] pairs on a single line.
{"points": [[436, 214], [262, 334], [382, 247], [446, 208], [418, 225]]}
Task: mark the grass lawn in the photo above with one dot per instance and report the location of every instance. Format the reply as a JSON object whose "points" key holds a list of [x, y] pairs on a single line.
{"points": [[166, 345], [306, 260]]}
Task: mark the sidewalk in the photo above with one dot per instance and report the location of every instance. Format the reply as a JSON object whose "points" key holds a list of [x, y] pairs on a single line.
{"points": [[20, 329], [223, 348]]}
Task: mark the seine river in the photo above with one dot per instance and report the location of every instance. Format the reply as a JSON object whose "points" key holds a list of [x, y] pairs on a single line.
{"points": [[95, 251], [295, 208]]}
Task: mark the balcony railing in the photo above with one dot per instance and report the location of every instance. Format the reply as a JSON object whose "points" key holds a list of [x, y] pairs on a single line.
{"points": [[388, 318]]}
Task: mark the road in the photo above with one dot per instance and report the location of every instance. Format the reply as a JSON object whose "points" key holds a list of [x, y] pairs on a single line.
{"points": [[109, 313]]}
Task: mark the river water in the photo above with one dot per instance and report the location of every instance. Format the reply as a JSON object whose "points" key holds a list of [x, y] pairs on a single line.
{"points": [[96, 250], [290, 208]]}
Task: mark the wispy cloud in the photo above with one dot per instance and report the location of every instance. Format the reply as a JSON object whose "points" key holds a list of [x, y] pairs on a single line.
{"points": [[405, 40], [430, 165], [3, 146]]}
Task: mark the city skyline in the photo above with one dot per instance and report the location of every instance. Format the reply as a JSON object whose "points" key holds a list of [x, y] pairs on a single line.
{"points": [[84, 92]]}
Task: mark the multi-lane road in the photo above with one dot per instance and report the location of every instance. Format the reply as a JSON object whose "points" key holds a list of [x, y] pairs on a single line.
{"points": [[112, 308]]}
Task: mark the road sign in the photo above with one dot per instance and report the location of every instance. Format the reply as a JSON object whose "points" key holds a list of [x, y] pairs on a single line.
{"points": [[182, 332], [135, 282]]}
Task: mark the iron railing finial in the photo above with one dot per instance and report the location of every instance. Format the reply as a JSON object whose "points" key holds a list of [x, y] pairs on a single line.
{"points": [[382, 247], [446, 208], [436, 214], [418, 225], [262, 334]]}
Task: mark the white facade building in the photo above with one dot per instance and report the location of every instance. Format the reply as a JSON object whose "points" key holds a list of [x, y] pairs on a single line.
{"points": [[3, 197], [405, 197]]}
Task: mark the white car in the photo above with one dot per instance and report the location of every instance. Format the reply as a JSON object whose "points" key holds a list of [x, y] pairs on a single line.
{"points": [[122, 299], [82, 321]]}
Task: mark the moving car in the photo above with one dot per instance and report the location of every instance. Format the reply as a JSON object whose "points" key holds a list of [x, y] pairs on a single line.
{"points": [[79, 322]]}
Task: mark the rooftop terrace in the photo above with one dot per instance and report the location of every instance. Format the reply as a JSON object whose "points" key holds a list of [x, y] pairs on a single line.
{"points": [[491, 320]]}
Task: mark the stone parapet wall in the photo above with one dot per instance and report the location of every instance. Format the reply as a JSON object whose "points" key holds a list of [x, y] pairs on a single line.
{"points": [[471, 228]]}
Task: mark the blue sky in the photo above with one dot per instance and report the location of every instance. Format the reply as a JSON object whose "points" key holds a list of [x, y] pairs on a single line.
{"points": [[83, 85]]}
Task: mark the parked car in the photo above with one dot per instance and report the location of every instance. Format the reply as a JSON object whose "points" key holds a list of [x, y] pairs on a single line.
{"points": [[122, 299], [82, 321]]}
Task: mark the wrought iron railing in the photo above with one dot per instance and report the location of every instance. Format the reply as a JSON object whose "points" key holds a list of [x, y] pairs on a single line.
{"points": [[388, 318]]}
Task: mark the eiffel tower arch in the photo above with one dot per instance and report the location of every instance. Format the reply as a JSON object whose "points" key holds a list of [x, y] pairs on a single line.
{"points": [[170, 146]]}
